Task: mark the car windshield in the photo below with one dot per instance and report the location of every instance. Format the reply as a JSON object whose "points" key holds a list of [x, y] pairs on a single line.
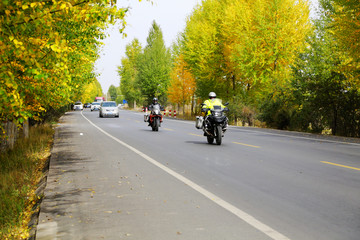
{"points": [[109, 104], [78, 103], [95, 103]]}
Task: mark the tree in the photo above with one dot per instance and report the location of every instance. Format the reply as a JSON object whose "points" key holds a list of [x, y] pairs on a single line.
{"points": [[154, 66], [91, 91], [244, 48], [203, 48], [47, 52], [327, 98], [112, 92], [128, 72], [345, 15], [263, 38], [182, 84]]}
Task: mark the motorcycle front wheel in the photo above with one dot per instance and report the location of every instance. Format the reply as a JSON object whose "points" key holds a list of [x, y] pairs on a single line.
{"points": [[157, 124], [153, 125], [218, 135]]}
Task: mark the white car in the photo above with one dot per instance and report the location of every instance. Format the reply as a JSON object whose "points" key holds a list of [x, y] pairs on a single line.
{"points": [[109, 108], [78, 106], [95, 106]]}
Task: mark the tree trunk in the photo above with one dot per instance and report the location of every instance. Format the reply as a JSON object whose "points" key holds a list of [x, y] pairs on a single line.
{"points": [[334, 125], [10, 135], [192, 105], [26, 128], [183, 106]]}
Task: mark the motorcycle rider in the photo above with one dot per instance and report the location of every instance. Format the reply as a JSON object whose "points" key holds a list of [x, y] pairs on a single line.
{"points": [[154, 102], [209, 104]]}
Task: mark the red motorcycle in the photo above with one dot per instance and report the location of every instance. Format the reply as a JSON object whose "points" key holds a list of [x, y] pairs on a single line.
{"points": [[155, 117]]}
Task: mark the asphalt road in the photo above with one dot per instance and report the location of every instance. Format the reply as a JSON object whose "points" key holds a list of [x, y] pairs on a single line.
{"points": [[113, 178]]}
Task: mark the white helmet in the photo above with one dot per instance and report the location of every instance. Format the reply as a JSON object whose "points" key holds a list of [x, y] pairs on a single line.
{"points": [[212, 95]]}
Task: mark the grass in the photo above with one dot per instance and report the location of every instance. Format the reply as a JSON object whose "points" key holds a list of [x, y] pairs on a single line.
{"points": [[20, 172]]}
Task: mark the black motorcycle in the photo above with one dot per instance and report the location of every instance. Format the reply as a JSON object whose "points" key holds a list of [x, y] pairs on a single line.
{"points": [[215, 124]]}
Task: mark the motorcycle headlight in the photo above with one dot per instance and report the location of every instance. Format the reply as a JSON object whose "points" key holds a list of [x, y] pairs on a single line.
{"points": [[217, 114]]}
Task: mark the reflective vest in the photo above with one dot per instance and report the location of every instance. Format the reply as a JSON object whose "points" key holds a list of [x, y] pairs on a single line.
{"points": [[210, 103]]}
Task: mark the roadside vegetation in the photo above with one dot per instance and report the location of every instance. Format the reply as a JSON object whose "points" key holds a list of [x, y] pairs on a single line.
{"points": [[20, 172], [274, 65], [47, 54]]}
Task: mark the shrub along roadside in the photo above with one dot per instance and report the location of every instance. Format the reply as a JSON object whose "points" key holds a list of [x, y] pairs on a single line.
{"points": [[20, 172]]}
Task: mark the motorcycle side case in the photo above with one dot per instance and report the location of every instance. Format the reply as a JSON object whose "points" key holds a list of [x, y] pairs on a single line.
{"points": [[146, 118], [199, 122]]}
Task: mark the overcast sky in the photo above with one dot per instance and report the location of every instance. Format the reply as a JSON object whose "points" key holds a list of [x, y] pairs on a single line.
{"points": [[171, 15]]}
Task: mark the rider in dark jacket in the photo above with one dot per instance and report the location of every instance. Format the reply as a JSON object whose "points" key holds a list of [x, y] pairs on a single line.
{"points": [[154, 102]]}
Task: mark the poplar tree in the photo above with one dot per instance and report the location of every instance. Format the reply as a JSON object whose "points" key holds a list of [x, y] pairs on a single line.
{"points": [[128, 72], [154, 66]]}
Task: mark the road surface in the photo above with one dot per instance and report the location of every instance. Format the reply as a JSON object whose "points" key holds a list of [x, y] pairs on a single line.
{"points": [[113, 178]]}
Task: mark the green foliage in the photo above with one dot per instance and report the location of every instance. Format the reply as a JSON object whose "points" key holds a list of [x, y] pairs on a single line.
{"points": [[242, 49], [119, 96], [91, 91], [345, 16], [47, 52], [128, 72], [154, 66], [322, 97], [203, 49], [112, 92], [328, 98]]}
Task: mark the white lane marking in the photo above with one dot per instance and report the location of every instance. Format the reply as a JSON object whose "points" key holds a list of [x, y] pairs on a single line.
{"points": [[222, 203]]}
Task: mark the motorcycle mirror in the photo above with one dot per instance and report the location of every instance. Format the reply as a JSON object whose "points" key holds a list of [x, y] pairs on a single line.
{"points": [[226, 104]]}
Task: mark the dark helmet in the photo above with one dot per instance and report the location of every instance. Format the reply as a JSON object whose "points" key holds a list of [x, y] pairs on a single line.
{"points": [[155, 100], [212, 95]]}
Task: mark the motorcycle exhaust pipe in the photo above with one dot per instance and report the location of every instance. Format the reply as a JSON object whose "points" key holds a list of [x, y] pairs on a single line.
{"points": [[208, 133]]}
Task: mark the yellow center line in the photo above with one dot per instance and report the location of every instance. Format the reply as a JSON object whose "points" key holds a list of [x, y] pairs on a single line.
{"points": [[195, 134], [339, 165], [168, 129], [246, 145]]}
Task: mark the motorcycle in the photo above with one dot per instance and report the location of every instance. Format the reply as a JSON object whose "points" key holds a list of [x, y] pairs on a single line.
{"points": [[215, 124], [155, 117]]}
